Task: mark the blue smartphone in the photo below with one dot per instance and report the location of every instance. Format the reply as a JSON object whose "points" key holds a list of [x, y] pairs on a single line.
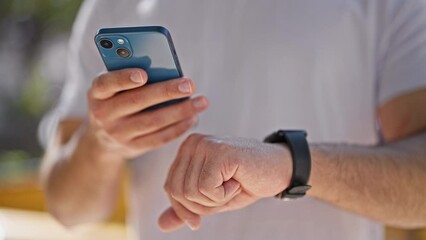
{"points": [[150, 48]]}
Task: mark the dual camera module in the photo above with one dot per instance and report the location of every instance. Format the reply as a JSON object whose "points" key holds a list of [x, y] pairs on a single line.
{"points": [[120, 51]]}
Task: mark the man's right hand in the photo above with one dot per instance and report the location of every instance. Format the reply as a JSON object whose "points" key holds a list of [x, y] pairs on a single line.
{"points": [[80, 191], [116, 100]]}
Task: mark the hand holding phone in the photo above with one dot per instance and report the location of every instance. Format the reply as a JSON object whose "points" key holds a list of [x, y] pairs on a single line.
{"points": [[117, 100]]}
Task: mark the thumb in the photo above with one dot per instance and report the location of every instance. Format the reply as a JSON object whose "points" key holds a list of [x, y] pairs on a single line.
{"points": [[169, 221], [231, 188]]}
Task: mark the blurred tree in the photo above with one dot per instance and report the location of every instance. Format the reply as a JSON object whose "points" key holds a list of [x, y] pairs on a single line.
{"points": [[26, 26], [53, 16]]}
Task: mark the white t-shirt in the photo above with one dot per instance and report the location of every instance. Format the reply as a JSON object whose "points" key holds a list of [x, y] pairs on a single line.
{"points": [[320, 65]]}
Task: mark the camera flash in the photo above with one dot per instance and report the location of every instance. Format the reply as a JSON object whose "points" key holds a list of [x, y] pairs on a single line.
{"points": [[120, 41]]}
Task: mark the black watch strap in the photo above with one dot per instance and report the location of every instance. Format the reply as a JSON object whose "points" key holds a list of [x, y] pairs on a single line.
{"points": [[298, 145]]}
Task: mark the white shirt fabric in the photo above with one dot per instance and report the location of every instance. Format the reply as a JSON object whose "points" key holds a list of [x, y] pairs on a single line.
{"points": [[320, 65]]}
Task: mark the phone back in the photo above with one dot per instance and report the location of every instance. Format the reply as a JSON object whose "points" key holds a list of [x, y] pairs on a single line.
{"points": [[149, 48]]}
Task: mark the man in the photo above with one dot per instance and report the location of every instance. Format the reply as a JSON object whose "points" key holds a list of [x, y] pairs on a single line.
{"points": [[348, 72]]}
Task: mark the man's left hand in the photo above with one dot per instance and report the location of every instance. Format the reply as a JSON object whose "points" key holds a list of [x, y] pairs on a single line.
{"points": [[211, 175]]}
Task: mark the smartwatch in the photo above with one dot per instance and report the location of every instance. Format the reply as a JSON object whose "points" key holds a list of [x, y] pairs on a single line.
{"points": [[301, 158]]}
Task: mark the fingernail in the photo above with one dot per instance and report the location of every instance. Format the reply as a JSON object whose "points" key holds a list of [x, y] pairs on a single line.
{"points": [[191, 226], [199, 103], [136, 77], [185, 87]]}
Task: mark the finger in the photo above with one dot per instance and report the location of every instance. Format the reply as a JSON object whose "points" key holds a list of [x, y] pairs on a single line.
{"points": [[169, 221], [191, 189], [182, 196], [195, 207], [192, 220], [108, 84], [176, 180], [240, 200], [136, 100], [212, 184], [176, 177], [152, 121], [159, 138], [184, 153], [231, 188], [185, 150]]}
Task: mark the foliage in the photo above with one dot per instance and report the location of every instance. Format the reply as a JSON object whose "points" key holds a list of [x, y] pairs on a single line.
{"points": [[32, 100], [37, 21], [53, 15]]}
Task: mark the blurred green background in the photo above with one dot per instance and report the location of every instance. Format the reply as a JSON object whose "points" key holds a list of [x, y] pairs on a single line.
{"points": [[32, 61]]}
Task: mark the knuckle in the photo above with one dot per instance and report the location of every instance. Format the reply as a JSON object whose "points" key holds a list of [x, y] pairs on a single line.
{"points": [[189, 141], [208, 169], [203, 188], [204, 140], [134, 99], [222, 147], [203, 185], [120, 82], [100, 84], [99, 112], [115, 133], [169, 91], [189, 194], [203, 143], [110, 130], [194, 137], [176, 194]]}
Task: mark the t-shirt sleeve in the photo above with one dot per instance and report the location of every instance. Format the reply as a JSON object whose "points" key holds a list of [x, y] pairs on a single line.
{"points": [[403, 65], [83, 65]]}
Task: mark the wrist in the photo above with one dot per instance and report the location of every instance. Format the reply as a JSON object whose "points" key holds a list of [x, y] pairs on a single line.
{"points": [[301, 159], [286, 167], [318, 155], [94, 147]]}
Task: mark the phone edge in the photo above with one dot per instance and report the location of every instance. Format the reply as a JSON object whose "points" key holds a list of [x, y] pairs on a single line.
{"points": [[159, 29]]}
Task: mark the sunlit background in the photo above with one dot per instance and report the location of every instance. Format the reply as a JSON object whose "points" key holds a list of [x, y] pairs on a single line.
{"points": [[33, 49]]}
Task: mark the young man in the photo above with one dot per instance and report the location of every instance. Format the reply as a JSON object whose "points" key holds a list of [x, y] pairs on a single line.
{"points": [[348, 72]]}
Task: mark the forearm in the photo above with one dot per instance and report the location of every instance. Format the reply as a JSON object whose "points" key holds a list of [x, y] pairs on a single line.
{"points": [[385, 183], [82, 187]]}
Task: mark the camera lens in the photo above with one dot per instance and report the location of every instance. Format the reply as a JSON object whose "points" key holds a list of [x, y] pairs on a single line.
{"points": [[105, 43], [122, 52]]}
